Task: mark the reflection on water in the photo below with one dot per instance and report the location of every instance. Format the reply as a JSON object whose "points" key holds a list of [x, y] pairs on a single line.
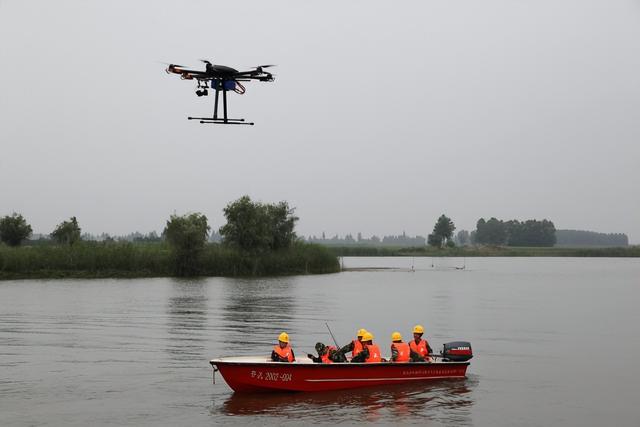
{"points": [[446, 401], [255, 310], [186, 320]]}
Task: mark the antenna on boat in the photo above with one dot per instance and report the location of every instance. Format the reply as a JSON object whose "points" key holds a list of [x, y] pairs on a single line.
{"points": [[334, 338]]}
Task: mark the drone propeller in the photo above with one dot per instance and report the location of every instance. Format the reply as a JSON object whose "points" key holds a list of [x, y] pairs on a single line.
{"points": [[205, 61], [265, 66], [169, 63]]}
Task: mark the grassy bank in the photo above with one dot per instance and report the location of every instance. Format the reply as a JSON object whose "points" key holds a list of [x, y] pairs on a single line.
{"points": [[93, 259], [488, 251]]}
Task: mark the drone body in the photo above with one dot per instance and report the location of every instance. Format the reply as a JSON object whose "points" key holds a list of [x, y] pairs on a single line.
{"points": [[221, 79]]}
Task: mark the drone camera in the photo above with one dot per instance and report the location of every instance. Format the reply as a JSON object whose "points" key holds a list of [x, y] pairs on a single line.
{"points": [[202, 92]]}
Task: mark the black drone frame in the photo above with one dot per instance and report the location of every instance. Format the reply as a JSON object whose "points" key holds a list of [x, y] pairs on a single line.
{"points": [[219, 85]]}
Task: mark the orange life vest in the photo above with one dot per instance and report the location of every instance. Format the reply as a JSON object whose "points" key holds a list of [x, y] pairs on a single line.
{"points": [[357, 347], [284, 353], [325, 357], [374, 354], [421, 348], [403, 351]]}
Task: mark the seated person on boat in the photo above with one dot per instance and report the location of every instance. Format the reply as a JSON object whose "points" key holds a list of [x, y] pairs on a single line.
{"points": [[355, 346], [283, 352], [370, 352], [327, 354], [399, 350], [420, 348]]}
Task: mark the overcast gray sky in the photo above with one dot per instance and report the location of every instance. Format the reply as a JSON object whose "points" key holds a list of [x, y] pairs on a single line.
{"points": [[383, 115]]}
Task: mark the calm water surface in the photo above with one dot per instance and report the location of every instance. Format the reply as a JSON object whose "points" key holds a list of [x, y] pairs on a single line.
{"points": [[554, 340]]}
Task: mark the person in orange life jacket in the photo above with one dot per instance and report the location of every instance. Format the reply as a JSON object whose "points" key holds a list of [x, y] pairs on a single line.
{"points": [[283, 351], [399, 350], [420, 348], [327, 354], [370, 352], [355, 346]]}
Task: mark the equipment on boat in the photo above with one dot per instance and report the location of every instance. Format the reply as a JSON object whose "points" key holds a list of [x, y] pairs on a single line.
{"points": [[332, 337], [457, 351]]}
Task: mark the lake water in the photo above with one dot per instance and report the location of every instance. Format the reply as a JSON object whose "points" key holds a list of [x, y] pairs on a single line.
{"points": [[555, 342]]}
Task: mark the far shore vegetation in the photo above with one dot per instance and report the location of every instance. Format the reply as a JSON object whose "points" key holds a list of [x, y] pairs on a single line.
{"points": [[259, 239], [487, 251], [126, 259]]}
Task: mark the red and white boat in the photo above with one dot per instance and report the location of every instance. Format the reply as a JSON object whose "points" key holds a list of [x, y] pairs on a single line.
{"points": [[260, 374]]}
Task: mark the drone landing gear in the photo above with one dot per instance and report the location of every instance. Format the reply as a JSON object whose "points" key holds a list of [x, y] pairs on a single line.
{"points": [[224, 120]]}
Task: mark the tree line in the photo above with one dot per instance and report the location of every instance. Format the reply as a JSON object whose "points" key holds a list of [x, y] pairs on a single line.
{"points": [[590, 238], [532, 232], [402, 240], [256, 228]]}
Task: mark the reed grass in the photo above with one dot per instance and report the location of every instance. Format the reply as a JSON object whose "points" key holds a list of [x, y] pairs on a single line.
{"points": [[101, 259]]}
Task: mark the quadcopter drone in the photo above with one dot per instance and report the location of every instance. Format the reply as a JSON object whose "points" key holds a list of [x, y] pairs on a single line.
{"points": [[221, 79]]}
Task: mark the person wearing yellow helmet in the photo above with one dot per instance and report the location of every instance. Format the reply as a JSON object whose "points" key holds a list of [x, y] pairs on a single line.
{"points": [[370, 352], [419, 347], [283, 352], [399, 350], [355, 346]]}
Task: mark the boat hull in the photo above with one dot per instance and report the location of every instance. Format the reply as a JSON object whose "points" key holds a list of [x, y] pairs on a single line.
{"points": [[253, 377]]}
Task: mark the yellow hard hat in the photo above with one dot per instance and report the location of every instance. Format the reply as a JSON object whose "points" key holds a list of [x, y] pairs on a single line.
{"points": [[284, 337], [368, 336], [396, 336], [418, 329], [361, 332]]}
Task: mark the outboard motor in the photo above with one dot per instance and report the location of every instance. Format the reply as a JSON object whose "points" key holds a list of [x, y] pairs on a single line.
{"points": [[457, 351]]}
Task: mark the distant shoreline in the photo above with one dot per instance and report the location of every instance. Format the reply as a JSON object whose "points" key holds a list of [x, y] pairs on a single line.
{"points": [[489, 251], [140, 260]]}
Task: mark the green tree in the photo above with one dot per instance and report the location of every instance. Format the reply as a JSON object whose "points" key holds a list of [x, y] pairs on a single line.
{"points": [[67, 232], [187, 236], [282, 223], [14, 229], [442, 232], [463, 237], [433, 240], [492, 232], [256, 227]]}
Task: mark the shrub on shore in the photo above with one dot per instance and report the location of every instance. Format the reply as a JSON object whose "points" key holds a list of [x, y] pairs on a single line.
{"points": [[14, 229], [187, 236]]}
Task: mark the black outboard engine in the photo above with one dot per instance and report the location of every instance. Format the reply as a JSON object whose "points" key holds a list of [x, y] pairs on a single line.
{"points": [[457, 351]]}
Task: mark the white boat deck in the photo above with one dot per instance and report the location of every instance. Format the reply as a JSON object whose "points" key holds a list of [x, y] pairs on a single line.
{"points": [[262, 359], [257, 359]]}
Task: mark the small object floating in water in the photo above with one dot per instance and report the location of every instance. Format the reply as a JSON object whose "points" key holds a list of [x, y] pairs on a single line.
{"points": [[260, 374]]}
